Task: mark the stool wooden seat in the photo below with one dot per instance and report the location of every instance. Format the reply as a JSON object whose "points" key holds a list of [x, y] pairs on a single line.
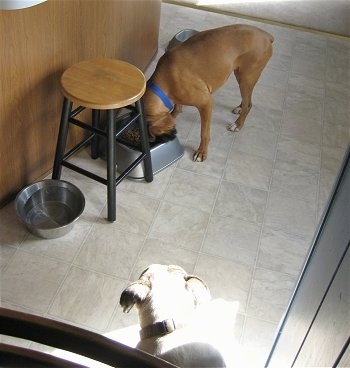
{"points": [[103, 84]]}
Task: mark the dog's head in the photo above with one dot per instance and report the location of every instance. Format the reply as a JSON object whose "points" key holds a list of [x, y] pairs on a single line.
{"points": [[161, 123], [161, 127], [162, 290]]}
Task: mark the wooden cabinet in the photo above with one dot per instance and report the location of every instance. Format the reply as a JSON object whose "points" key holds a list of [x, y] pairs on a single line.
{"points": [[37, 45]]}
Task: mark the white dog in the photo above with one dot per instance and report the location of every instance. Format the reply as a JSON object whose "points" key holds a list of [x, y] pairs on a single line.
{"points": [[172, 308]]}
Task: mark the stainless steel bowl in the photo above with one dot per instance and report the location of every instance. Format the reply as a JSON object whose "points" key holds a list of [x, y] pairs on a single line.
{"points": [[49, 208], [181, 37]]}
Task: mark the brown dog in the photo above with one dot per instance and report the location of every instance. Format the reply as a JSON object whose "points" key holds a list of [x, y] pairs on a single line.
{"points": [[189, 73]]}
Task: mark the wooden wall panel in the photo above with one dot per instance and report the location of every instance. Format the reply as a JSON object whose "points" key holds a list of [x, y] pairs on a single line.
{"points": [[37, 45]]}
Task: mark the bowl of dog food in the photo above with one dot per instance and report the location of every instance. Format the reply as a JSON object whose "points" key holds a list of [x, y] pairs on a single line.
{"points": [[128, 149], [50, 208], [181, 37], [163, 154]]}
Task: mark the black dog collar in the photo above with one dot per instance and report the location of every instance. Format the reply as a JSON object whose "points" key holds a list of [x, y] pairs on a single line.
{"points": [[160, 328]]}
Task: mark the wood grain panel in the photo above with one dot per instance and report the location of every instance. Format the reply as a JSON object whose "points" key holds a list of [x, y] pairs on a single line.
{"points": [[37, 45]]}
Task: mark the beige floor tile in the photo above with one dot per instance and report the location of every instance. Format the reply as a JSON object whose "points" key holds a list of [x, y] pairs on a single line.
{"points": [[157, 251], [241, 202], [179, 225], [261, 117], [336, 98], [257, 141], [192, 190], [248, 169], [270, 294], [109, 250], [213, 166], [185, 123], [336, 135], [64, 248], [256, 342], [32, 280], [221, 117], [338, 74], [296, 125], [6, 253], [226, 279], [297, 155], [232, 239], [298, 184], [12, 230], [282, 252], [280, 61], [294, 216], [305, 105], [154, 189], [134, 212], [268, 96], [87, 298]]}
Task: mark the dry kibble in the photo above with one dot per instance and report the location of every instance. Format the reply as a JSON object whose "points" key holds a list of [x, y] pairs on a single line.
{"points": [[132, 136]]}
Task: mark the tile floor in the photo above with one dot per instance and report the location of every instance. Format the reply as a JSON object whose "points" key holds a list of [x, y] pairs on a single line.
{"points": [[242, 220]]}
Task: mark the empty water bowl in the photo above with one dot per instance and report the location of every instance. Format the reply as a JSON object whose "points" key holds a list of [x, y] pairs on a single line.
{"points": [[181, 37], [49, 208]]}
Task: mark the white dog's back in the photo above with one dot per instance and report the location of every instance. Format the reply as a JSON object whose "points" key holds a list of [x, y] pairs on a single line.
{"points": [[178, 321], [184, 347], [208, 341]]}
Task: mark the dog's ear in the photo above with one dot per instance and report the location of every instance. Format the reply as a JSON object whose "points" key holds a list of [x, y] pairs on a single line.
{"points": [[199, 289], [135, 293]]}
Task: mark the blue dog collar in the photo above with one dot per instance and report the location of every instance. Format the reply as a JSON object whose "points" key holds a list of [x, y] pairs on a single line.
{"points": [[165, 99]]}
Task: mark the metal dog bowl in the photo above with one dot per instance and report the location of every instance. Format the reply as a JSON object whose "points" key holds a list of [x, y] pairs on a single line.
{"points": [[162, 155], [181, 37], [49, 208]]}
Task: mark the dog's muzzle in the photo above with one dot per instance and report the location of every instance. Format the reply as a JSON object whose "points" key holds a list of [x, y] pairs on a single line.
{"points": [[163, 138], [168, 136]]}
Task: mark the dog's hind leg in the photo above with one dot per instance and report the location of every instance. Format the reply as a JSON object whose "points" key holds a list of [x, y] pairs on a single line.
{"points": [[237, 110], [247, 79]]}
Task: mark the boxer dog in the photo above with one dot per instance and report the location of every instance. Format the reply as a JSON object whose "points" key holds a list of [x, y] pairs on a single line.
{"points": [[189, 73], [168, 300]]}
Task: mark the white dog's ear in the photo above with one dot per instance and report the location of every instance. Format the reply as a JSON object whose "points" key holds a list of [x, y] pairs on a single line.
{"points": [[133, 294], [199, 289]]}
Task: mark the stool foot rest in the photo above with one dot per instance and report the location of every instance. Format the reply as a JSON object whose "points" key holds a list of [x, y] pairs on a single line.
{"points": [[99, 178]]}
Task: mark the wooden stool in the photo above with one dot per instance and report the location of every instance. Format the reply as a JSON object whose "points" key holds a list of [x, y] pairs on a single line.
{"points": [[103, 84]]}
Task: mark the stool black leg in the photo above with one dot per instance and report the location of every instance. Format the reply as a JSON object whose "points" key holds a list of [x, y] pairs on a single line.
{"points": [[111, 166], [95, 140], [62, 138], [147, 161]]}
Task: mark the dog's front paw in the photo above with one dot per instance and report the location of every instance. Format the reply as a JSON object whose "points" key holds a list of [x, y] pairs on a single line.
{"points": [[199, 156], [237, 110], [232, 127]]}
